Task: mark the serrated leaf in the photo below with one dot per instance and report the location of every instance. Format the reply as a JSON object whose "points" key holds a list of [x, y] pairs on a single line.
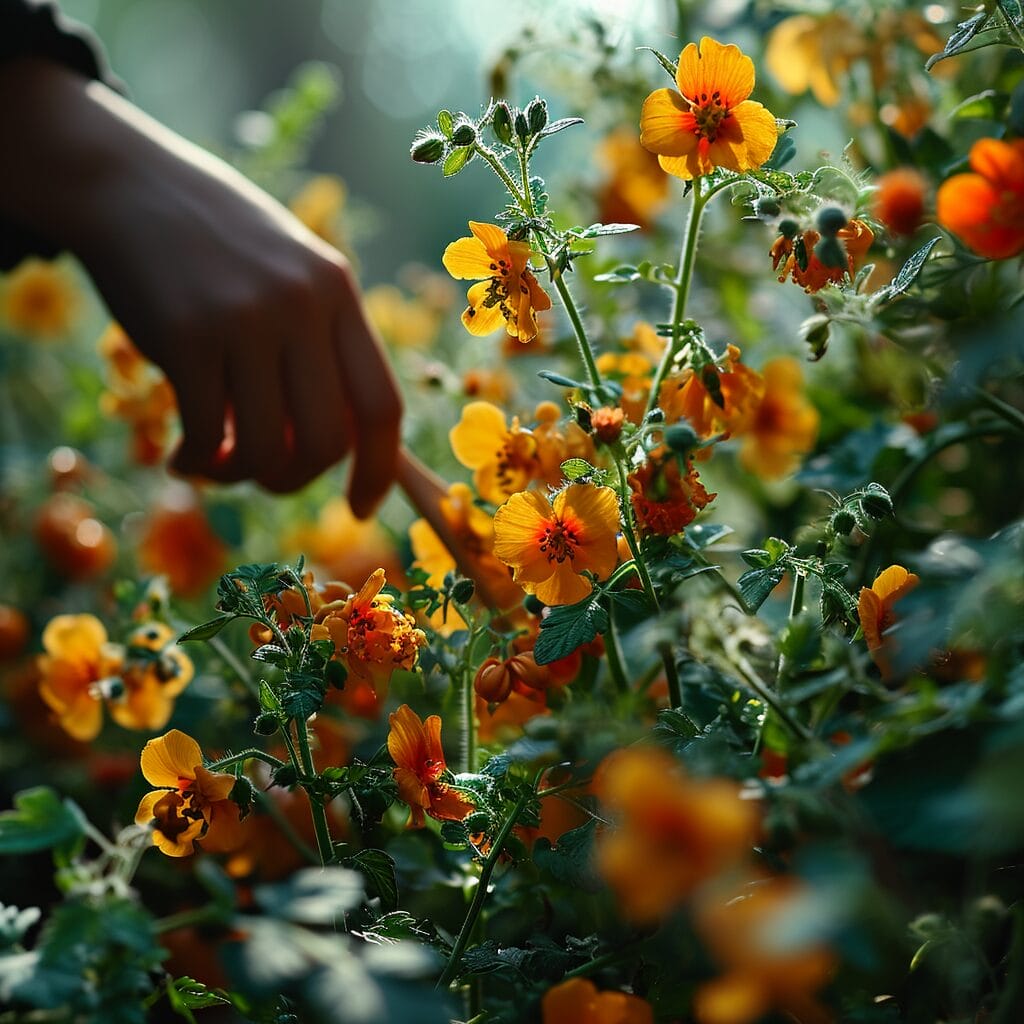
{"points": [[570, 859], [567, 627], [379, 868], [207, 630], [272, 654], [597, 230], [300, 704], [964, 32], [560, 125], [497, 767], [456, 160], [576, 469], [40, 820], [670, 66], [756, 584], [631, 600]]}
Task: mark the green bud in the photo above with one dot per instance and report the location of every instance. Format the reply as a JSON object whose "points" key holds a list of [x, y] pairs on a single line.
{"points": [[266, 725], [681, 438], [831, 220], [655, 416], [767, 206], [464, 134], [463, 591], [532, 605], [285, 776], [843, 522], [522, 127], [477, 822], [876, 503], [788, 228], [501, 122], [537, 115], [427, 149], [831, 253]]}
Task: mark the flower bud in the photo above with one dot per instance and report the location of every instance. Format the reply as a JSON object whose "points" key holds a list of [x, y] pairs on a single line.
{"points": [[522, 127], [788, 228], [265, 725], [831, 220], [876, 503], [523, 668], [843, 522], [606, 423], [767, 206], [681, 438], [464, 134], [286, 775], [493, 682], [533, 605], [501, 122], [427, 149], [537, 115], [462, 592]]}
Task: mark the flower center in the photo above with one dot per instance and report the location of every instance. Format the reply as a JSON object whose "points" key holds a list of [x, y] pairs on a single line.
{"points": [[559, 541], [708, 114]]}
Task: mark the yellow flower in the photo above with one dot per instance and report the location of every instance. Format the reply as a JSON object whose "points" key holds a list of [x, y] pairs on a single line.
{"points": [[804, 52], [577, 1001], [191, 803], [155, 672], [402, 322], [319, 204], [674, 833], [763, 970], [372, 637], [784, 425], [548, 545], [79, 666], [415, 747], [875, 609], [507, 291], [39, 299], [709, 122]]}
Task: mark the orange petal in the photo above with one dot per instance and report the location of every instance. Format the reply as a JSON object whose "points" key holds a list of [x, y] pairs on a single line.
{"points": [[516, 527], [492, 238], [412, 792], [571, 1002], [370, 589], [144, 814], [466, 258], [74, 637], [692, 165], [448, 804], [891, 584], [226, 830], [1002, 163], [478, 436], [666, 124], [407, 739], [563, 586], [967, 205], [869, 611], [747, 138], [711, 67], [169, 758]]}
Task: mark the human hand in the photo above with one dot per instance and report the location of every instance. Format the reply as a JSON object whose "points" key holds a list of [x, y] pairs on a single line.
{"points": [[257, 323]]}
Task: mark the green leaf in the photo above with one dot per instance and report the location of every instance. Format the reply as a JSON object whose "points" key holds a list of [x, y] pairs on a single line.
{"points": [[567, 627], [272, 654], [986, 106], [194, 995], [40, 820], [596, 230], [670, 66], [784, 151], [446, 123], [635, 601], [269, 700], [379, 869], [703, 535], [620, 275], [756, 558], [301, 703], [909, 271], [960, 38], [312, 895], [576, 469], [560, 125], [570, 859], [560, 379], [207, 630], [456, 160], [757, 584]]}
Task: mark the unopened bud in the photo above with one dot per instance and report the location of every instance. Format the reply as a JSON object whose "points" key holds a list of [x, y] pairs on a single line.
{"points": [[464, 134], [285, 776], [877, 503], [788, 228], [681, 438], [843, 522], [427, 149], [831, 220], [831, 253], [537, 115], [767, 206], [462, 592], [522, 127], [492, 682], [501, 122]]}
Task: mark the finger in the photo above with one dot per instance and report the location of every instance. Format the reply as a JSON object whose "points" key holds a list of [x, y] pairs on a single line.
{"points": [[376, 412], [202, 407], [316, 408]]}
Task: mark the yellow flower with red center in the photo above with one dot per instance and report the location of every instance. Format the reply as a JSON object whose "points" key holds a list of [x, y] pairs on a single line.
{"points": [[876, 612], [856, 239], [577, 1001], [415, 747], [709, 122], [763, 968], [190, 803], [549, 544], [664, 500], [986, 207], [784, 425], [507, 292], [673, 834], [80, 665], [503, 457], [371, 637], [806, 52], [39, 299]]}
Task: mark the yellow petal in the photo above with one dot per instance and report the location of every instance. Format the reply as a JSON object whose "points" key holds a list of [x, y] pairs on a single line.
{"points": [[75, 637], [517, 525], [712, 68], [466, 258], [693, 165], [664, 124], [478, 436], [563, 586], [478, 319], [492, 238], [747, 139], [144, 815], [169, 758]]}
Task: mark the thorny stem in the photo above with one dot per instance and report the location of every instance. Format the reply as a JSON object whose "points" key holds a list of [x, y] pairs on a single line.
{"points": [[480, 893], [245, 755], [320, 825], [754, 682]]}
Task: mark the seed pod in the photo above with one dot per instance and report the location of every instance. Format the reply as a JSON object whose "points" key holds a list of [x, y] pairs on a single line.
{"points": [[843, 522]]}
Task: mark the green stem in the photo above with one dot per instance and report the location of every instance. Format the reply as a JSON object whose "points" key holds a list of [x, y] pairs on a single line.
{"points": [[1013, 416], [681, 285], [769, 698], [229, 658], [796, 606], [320, 825], [468, 722], [245, 755], [699, 558], [480, 893], [616, 665]]}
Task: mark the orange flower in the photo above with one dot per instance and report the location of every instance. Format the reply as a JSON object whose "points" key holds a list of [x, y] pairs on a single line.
{"points": [[636, 188], [178, 542], [764, 968], [577, 1001], [73, 540], [415, 747], [986, 208], [507, 291], [80, 665], [372, 637], [664, 501], [190, 803], [805, 52], [155, 672], [504, 458], [710, 122], [856, 239], [138, 393], [875, 609], [606, 423], [14, 632], [549, 545], [784, 425], [502, 722], [39, 299], [900, 200], [674, 833], [489, 384]]}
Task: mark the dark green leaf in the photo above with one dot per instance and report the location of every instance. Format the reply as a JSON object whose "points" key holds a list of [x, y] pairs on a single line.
{"points": [[206, 630], [635, 601], [756, 558], [703, 535], [620, 275], [960, 37], [559, 125], [569, 860], [670, 66], [909, 271], [757, 584], [379, 869], [567, 627], [194, 994], [40, 820]]}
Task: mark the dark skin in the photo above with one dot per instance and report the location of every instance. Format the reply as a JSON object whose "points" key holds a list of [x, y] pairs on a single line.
{"points": [[257, 322]]}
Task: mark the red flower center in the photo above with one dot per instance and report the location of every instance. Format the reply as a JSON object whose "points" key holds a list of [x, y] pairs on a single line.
{"points": [[559, 540]]}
